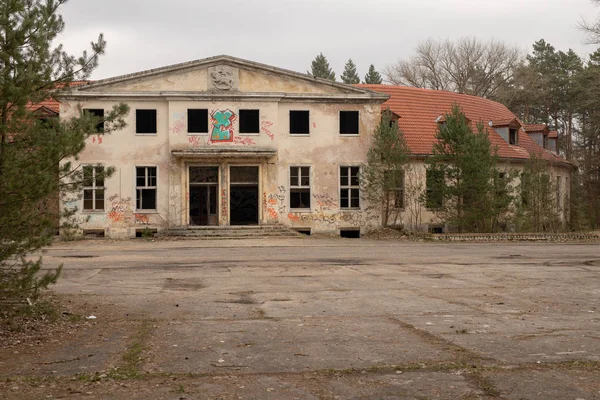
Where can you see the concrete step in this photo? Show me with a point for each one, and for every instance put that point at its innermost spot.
(232, 232)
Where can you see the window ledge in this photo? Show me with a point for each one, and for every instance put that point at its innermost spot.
(354, 209)
(146, 134)
(349, 134)
(299, 134)
(301, 210)
(197, 133)
(92, 212)
(145, 211)
(249, 134)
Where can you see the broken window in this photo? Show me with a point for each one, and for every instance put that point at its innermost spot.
(197, 120)
(349, 187)
(299, 187)
(93, 188)
(99, 113)
(145, 185)
(145, 121)
(249, 121)
(512, 137)
(299, 122)
(434, 191)
(349, 122)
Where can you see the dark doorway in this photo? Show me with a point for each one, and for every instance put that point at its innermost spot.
(204, 183)
(243, 200)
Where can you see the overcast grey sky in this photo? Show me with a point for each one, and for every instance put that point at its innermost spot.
(288, 34)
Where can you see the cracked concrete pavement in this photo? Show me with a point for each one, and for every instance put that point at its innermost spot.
(318, 318)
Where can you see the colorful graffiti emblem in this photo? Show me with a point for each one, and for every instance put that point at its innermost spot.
(222, 125)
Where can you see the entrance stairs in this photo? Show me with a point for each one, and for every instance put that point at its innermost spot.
(233, 232)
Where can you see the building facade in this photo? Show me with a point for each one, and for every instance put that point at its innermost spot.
(224, 141)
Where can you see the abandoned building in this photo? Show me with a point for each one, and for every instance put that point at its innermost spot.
(224, 141)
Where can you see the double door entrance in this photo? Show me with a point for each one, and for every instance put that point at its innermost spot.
(240, 201)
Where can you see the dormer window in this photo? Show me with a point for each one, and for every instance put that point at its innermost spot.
(513, 136)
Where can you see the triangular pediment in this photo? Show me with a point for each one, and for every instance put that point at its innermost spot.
(223, 75)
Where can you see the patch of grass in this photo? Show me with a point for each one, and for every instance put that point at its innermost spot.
(131, 360)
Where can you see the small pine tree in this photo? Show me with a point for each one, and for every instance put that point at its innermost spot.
(350, 76)
(373, 77)
(472, 196)
(382, 177)
(320, 68)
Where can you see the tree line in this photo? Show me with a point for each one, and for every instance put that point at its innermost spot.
(320, 69)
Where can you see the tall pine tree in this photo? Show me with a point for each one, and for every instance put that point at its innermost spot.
(350, 76)
(34, 149)
(373, 77)
(320, 68)
(474, 195)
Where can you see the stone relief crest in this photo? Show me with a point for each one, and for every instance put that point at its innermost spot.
(223, 78)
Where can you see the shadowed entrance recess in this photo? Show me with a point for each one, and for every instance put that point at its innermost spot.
(243, 201)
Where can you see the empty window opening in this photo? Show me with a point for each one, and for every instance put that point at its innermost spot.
(93, 233)
(299, 122)
(395, 186)
(349, 187)
(145, 178)
(98, 113)
(145, 121)
(349, 122)
(299, 187)
(197, 120)
(93, 188)
(249, 121)
(304, 231)
(512, 137)
(350, 233)
(145, 233)
(436, 229)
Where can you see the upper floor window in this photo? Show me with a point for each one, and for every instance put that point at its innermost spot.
(249, 121)
(197, 120)
(299, 122)
(145, 187)
(98, 113)
(349, 122)
(349, 187)
(299, 187)
(93, 188)
(513, 136)
(145, 121)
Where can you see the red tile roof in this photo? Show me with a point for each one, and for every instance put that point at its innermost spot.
(535, 127)
(51, 103)
(553, 134)
(419, 109)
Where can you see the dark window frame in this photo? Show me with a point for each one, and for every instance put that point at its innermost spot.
(197, 120)
(298, 127)
(513, 136)
(94, 186)
(349, 188)
(346, 122)
(145, 127)
(97, 112)
(243, 124)
(147, 186)
(300, 187)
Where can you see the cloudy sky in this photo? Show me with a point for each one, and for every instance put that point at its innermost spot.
(289, 33)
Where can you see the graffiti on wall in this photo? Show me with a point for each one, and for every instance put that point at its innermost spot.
(222, 125)
(120, 209)
(97, 139)
(324, 201)
(224, 204)
(141, 219)
(265, 127)
(195, 141)
(275, 203)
